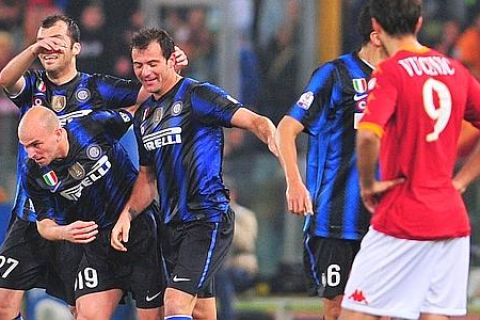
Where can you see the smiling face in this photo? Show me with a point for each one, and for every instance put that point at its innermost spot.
(153, 70)
(58, 62)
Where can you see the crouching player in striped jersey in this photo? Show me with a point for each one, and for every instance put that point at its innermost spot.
(79, 178)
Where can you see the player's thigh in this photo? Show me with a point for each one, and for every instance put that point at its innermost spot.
(447, 293)
(24, 257)
(390, 276)
(101, 267)
(199, 250)
(146, 280)
(327, 264)
(98, 305)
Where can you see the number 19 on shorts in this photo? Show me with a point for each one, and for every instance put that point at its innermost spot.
(86, 278)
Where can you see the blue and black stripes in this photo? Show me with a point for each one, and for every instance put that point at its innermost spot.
(339, 91)
(74, 99)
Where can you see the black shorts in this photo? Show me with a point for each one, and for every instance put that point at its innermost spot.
(327, 264)
(194, 251)
(27, 260)
(103, 268)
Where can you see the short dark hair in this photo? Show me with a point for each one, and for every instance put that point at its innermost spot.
(72, 27)
(364, 24)
(397, 17)
(141, 39)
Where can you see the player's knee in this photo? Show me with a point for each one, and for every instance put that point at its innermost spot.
(9, 310)
(178, 302)
(205, 309)
(332, 308)
(86, 313)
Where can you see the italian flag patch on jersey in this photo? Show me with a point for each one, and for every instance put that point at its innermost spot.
(50, 178)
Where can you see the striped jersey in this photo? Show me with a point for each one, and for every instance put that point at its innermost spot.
(181, 137)
(329, 109)
(75, 98)
(94, 181)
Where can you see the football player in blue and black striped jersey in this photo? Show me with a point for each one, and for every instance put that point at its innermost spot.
(336, 220)
(180, 137)
(70, 94)
(79, 178)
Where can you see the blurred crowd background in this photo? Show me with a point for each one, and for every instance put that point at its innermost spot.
(261, 51)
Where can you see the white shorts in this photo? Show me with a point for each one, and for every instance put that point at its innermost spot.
(404, 278)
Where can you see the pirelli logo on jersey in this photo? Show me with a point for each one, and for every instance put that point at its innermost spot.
(162, 138)
(100, 169)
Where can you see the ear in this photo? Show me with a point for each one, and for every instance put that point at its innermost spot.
(376, 26)
(58, 134)
(419, 24)
(76, 48)
(171, 60)
(375, 39)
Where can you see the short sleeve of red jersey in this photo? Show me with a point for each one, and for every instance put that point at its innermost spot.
(381, 100)
(472, 110)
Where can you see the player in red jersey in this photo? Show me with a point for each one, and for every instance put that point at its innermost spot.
(414, 260)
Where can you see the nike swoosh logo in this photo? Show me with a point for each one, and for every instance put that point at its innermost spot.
(360, 97)
(148, 299)
(177, 279)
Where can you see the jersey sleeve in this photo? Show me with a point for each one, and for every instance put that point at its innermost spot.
(381, 101)
(115, 123)
(213, 106)
(472, 110)
(117, 92)
(311, 109)
(145, 157)
(25, 96)
(43, 200)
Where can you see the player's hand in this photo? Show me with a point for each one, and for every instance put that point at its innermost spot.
(298, 199)
(120, 232)
(80, 231)
(272, 146)
(181, 59)
(460, 187)
(371, 196)
(49, 45)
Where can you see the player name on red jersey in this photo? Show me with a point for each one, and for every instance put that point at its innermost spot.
(431, 66)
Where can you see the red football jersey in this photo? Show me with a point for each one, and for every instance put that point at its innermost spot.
(417, 105)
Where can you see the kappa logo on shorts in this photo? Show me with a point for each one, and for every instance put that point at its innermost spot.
(148, 298)
(358, 296)
(177, 279)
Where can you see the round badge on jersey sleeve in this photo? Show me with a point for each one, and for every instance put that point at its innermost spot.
(177, 107)
(82, 94)
(94, 152)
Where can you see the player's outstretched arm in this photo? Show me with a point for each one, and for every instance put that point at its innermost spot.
(76, 232)
(11, 75)
(259, 125)
(298, 198)
(143, 193)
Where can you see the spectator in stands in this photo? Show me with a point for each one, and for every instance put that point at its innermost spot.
(468, 47)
